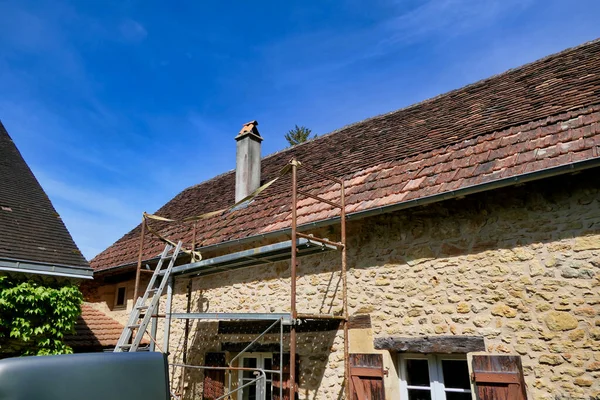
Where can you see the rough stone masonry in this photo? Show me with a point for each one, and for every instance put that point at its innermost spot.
(519, 267)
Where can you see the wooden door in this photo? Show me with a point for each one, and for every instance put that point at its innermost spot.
(366, 377)
(214, 379)
(498, 377)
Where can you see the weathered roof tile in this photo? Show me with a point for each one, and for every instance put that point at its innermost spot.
(476, 134)
(32, 230)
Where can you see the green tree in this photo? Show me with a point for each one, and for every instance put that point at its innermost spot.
(298, 135)
(35, 316)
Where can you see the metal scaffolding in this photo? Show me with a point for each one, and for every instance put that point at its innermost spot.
(299, 245)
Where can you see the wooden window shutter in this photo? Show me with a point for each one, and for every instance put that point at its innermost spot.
(286, 376)
(498, 377)
(214, 380)
(366, 377)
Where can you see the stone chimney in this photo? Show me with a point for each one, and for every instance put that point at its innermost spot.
(247, 166)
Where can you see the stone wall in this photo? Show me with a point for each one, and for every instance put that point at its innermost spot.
(519, 267)
(101, 293)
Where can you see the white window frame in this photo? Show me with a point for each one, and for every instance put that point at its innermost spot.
(261, 385)
(124, 305)
(436, 377)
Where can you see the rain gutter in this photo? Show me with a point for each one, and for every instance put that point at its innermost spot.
(38, 268)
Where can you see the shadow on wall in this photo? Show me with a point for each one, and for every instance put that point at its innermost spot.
(314, 351)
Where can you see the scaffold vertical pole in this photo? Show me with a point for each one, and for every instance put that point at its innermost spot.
(154, 330)
(293, 272)
(345, 291)
(167, 330)
(139, 263)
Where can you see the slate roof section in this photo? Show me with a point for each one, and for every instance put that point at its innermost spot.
(30, 228)
(541, 115)
(94, 330)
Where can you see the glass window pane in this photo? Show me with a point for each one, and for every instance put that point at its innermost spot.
(456, 374)
(269, 393)
(458, 396)
(121, 296)
(268, 365)
(418, 373)
(416, 394)
(249, 362)
(249, 393)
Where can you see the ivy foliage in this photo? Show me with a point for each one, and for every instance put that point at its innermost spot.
(36, 315)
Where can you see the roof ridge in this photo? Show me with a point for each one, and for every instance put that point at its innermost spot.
(409, 107)
(210, 179)
(441, 95)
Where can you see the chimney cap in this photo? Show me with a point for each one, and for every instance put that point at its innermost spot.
(249, 129)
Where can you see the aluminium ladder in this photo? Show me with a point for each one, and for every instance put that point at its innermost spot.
(138, 323)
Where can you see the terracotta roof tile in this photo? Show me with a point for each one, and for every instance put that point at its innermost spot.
(94, 329)
(523, 120)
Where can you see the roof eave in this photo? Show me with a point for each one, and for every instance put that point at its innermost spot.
(483, 187)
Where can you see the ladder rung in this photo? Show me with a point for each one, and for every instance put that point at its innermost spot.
(124, 346)
(134, 326)
(148, 271)
(144, 307)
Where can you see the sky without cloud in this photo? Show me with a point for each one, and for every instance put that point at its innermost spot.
(119, 105)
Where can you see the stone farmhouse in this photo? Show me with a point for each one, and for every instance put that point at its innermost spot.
(472, 244)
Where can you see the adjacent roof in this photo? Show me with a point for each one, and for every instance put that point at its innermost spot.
(539, 116)
(33, 238)
(94, 330)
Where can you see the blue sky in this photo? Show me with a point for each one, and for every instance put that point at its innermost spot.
(119, 105)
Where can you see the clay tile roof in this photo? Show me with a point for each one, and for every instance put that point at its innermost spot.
(538, 116)
(94, 329)
(30, 227)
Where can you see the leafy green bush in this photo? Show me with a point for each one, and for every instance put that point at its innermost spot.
(35, 316)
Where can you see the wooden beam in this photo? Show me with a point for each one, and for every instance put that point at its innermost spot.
(431, 344)
(359, 321)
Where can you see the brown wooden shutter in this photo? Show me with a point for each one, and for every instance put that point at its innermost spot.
(286, 376)
(214, 380)
(366, 377)
(498, 377)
